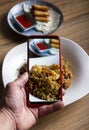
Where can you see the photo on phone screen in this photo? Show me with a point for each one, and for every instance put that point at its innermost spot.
(45, 71)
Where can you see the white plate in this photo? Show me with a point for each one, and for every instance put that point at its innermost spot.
(18, 9)
(72, 52)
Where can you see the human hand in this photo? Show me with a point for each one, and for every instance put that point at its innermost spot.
(15, 104)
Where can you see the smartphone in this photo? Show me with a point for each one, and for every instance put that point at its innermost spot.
(45, 72)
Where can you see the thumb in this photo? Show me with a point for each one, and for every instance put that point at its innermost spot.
(22, 80)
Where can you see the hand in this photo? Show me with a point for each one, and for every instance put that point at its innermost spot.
(15, 103)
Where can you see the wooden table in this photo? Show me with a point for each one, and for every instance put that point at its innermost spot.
(75, 27)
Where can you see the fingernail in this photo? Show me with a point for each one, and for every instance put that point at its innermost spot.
(25, 74)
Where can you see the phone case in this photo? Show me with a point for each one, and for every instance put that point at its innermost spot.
(36, 102)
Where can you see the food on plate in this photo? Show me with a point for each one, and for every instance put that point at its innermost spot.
(56, 41)
(44, 80)
(23, 21)
(54, 45)
(42, 47)
(45, 18)
(42, 18)
(40, 13)
(67, 75)
(40, 7)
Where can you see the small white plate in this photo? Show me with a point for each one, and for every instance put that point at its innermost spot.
(45, 53)
(18, 9)
(71, 51)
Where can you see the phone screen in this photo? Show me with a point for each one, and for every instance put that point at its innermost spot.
(45, 70)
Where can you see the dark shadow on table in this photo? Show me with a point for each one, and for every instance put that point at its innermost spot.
(9, 33)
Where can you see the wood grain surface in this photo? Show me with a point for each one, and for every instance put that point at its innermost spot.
(76, 28)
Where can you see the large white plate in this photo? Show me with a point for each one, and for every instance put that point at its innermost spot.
(72, 52)
(18, 9)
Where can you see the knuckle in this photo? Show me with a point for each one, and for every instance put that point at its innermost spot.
(10, 84)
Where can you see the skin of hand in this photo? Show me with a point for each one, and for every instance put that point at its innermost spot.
(14, 102)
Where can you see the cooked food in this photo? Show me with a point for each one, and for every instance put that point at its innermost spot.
(44, 80)
(48, 15)
(42, 18)
(40, 7)
(54, 45)
(40, 13)
(67, 75)
(56, 41)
